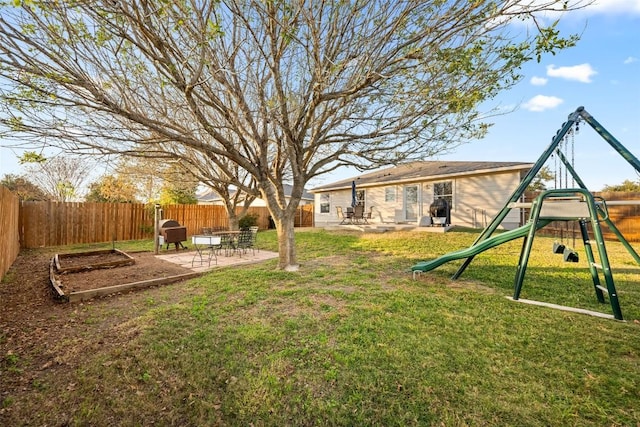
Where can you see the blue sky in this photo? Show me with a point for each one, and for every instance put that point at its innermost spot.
(602, 73)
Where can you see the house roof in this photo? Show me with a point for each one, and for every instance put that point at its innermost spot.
(211, 196)
(420, 171)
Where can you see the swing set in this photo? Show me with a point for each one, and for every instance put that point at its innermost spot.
(559, 204)
(569, 255)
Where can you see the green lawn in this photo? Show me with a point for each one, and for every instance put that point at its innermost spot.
(352, 340)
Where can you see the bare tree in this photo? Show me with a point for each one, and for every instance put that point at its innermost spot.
(284, 90)
(60, 177)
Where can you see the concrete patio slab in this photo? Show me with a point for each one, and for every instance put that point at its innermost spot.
(191, 260)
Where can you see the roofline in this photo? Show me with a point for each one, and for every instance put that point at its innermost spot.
(347, 186)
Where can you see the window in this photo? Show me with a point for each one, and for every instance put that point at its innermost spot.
(325, 203)
(360, 197)
(444, 190)
(390, 194)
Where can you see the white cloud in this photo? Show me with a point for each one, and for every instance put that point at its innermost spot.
(630, 60)
(581, 73)
(614, 7)
(538, 81)
(541, 103)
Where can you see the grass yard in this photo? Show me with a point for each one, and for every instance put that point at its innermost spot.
(349, 340)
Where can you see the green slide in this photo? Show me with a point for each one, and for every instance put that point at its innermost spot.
(474, 250)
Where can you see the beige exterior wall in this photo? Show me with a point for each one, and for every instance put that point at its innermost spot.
(476, 200)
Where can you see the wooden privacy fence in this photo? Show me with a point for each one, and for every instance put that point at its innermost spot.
(44, 224)
(9, 229)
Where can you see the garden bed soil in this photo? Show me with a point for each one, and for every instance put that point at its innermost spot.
(146, 269)
(83, 261)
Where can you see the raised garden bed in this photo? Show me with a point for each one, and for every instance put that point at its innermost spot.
(85, 275)
(83, 261)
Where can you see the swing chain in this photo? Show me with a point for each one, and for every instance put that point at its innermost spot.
(573, 153)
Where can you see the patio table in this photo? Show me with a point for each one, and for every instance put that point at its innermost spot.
(206, 246)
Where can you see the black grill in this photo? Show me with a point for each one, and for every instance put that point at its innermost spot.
(172, 232)
(439, 211)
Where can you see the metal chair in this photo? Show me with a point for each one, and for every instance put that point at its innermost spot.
(367, 215)
(358, 213)
(254, 237)
(344, 218)
(228, 243)
(245, 242)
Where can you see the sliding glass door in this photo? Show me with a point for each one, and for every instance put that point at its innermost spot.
(410, 202)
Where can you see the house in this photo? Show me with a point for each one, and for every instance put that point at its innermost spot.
(210, 197)
(475, 192)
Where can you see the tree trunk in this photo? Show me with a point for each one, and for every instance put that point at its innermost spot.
(286, 242)
(234, 222)
(232, 216)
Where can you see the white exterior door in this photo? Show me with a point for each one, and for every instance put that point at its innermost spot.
(410, 202)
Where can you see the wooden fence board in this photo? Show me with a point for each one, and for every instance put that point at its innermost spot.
(9, 229)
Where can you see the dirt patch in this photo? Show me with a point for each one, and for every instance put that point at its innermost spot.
(146, 267)
(43, 341)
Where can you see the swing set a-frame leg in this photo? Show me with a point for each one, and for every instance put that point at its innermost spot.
(591, 261)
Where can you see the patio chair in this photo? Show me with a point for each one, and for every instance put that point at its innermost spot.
(358, 213)
(367, 215)
(246, 239)
(254, 236)
(344, 219)
(228, 243)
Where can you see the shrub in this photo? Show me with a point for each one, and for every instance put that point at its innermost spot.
(249, 220)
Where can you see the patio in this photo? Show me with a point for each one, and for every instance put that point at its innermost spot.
(185, 258)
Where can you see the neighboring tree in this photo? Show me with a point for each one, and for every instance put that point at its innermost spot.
(178, 195)
(146, 174)
(179, 192)
(543, 176)
(179, 186)
(23, 188)
(60, 177)
(111, 189)
(283, 90)
(626, 186)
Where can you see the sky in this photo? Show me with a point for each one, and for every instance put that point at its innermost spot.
(601, 73)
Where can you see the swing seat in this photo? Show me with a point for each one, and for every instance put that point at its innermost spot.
(570, 255)
(558, 248)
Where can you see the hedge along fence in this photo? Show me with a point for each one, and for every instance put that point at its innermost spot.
(49, 223)
(9, 229)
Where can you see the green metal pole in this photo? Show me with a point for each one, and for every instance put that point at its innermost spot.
(626, 154)
(591, 260)
(526, 247)
(604, 259)
(571, 170)
(619, 235)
